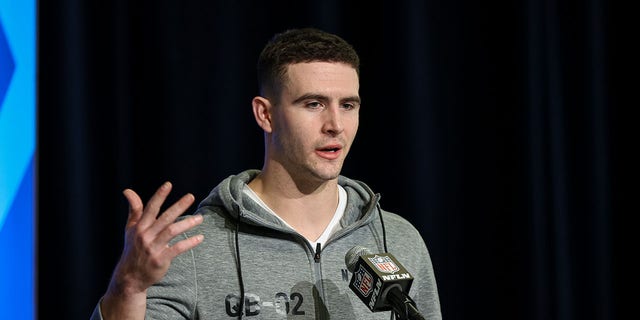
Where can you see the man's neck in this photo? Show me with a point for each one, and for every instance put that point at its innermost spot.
(307, 206)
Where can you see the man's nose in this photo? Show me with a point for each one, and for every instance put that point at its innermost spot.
(333, 121)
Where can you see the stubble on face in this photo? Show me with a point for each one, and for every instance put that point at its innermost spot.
(299, 131)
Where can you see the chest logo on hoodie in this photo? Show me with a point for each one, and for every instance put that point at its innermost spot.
(282, 303)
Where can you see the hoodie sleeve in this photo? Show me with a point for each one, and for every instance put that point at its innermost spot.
(425, 290)
(408, 246)
(175, 296)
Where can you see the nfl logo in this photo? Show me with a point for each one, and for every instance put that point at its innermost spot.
(363, 281)
(384, 264)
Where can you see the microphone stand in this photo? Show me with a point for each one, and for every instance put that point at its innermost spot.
(403, 306)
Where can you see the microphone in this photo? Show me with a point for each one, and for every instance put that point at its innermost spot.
(381, 282)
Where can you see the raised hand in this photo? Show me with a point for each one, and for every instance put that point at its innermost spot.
(147, 254)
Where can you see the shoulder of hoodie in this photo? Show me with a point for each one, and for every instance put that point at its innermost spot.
(212, 216)
(395, 221)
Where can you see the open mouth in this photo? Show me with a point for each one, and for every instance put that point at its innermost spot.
(330, 152)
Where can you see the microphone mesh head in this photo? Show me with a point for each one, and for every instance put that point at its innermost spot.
(351, 258)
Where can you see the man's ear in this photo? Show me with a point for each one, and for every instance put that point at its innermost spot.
(262, 112)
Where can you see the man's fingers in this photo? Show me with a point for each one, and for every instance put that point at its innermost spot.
(135, 206)
(177, 209)
(155, 203)
(172, 230)
(170, 215)
(162, 228)
(184, 245)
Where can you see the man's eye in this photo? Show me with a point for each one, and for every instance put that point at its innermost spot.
(350, 106)
(314, 105)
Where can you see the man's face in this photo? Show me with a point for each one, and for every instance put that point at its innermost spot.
(317, 119)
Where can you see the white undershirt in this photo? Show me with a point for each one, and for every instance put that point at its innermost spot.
(332, 227)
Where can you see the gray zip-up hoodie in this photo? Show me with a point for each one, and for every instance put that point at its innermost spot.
(279, 273)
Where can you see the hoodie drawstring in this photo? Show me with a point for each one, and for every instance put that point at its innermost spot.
(384, 232)
(240, 280)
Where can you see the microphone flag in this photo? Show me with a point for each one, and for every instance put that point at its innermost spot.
(374, 275)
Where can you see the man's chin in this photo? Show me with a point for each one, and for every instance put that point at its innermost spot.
(327, 175)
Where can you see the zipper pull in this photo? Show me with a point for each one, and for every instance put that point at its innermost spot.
(316, 256)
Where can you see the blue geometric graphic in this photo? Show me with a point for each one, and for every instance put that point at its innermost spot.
(6, 65)
(17, 111)
(17, 274)
(17, 163)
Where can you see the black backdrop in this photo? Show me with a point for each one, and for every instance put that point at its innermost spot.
(489, 125)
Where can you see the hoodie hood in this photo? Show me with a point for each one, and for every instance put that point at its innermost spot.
(229, 195)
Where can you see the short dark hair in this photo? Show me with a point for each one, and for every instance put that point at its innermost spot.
(297, 46)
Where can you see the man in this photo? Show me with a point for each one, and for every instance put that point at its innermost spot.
(271, 243)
